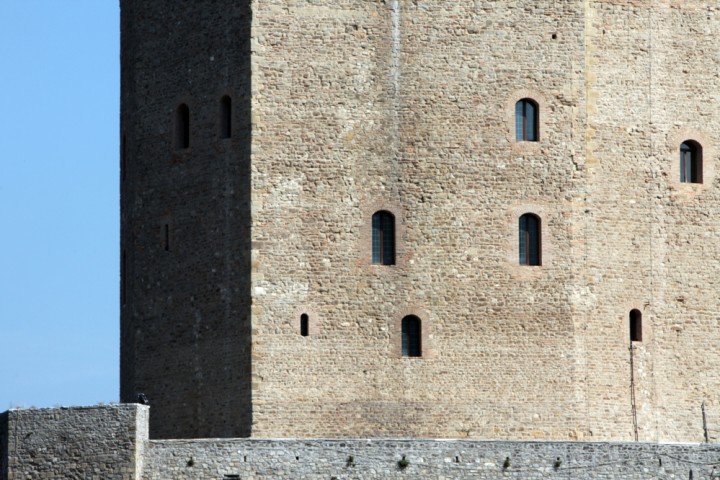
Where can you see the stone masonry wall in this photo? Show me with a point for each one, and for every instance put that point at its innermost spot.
(426, 459)
(185, 221)
(73, 443)
(4, 446)
(408, 107)
(110, 442)
(651, 241)
(345, 108)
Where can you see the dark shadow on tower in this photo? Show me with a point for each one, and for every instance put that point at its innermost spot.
(185, 216)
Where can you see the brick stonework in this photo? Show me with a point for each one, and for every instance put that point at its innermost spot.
(341, 108)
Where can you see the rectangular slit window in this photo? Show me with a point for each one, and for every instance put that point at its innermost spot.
(635, 326)
(123, 286)
(304, 325)
(123, 151)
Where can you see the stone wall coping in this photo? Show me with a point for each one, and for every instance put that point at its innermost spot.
(112, 406)
(185, 441)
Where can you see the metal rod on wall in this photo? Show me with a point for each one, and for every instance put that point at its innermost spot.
(632, 392)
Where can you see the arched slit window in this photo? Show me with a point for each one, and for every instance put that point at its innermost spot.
(411, 337)
(182, 127)
(635, 325)
(304, 325)
(225, 117)
(383, 238)
(529, 236)
(691, 162)
(526, 120)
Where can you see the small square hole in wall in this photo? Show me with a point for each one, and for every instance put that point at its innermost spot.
(554, 36)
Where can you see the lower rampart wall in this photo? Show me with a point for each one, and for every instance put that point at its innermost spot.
(427, 459)
(102, 442)
(110, 442)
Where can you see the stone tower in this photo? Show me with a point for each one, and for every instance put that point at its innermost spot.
(545, 258)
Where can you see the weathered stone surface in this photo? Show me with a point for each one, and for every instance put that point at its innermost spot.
(110, 442)
(426, 459)
(343, 108)
(103, 442)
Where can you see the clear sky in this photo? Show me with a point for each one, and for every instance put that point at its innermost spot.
(59, 202)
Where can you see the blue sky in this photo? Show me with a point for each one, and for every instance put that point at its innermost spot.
(59, 202)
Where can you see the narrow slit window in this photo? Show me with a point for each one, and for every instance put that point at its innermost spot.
(166, 237)
(411, 337)
(304, 325)
(123, 286)
(529, 239)
(526, 120)
(635, 325)
(691, 162)
(383, 238)
(225, 117)
(123, 158)
(182, 127)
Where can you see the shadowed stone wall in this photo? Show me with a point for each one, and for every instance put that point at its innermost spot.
(4, 446)
(185, 215)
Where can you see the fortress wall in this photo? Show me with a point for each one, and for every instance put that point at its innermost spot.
(79, 442)
(185, 234)
(620, 214)
(408, 107)
(111, 442)
(687, 319)
(346, 108)
(651, 240)
(427, 459)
